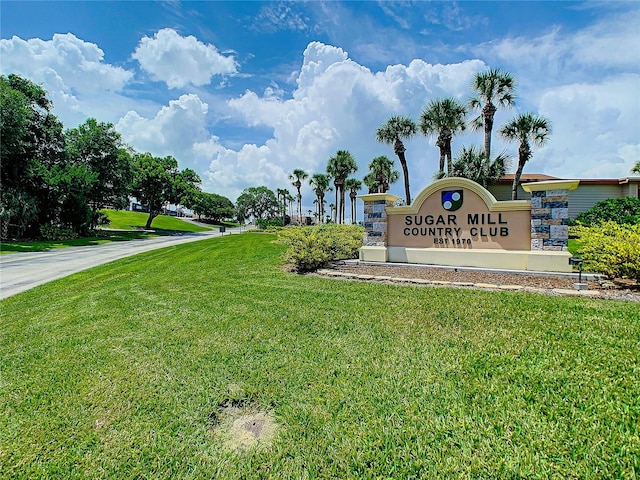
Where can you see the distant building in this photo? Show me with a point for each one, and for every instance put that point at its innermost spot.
(589, 191)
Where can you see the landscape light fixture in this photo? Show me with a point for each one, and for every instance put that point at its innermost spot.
(578, 261)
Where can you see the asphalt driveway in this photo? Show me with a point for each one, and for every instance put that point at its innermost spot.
(23, 271)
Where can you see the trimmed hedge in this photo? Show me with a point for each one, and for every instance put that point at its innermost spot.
(624, 210)
(311, 248)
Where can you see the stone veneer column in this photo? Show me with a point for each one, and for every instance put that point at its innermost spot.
(375, 225)
(550, 214)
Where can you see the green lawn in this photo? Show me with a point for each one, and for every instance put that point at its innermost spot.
(126, 220)
(129, 222)
(121, 372)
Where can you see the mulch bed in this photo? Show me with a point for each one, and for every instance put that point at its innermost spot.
(465, 278)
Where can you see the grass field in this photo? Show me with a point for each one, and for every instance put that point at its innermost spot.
(129, 222)
(123, 371)
(126, 220)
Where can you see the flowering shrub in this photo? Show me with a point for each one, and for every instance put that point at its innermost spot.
(611, 249)
(311, 248)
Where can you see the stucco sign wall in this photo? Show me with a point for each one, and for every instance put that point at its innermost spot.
(458, 213)
(457, 222)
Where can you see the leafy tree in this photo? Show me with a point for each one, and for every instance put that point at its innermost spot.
(340, 166)
(259, 202)
(353, 185)
(526, 129)
(493, 88)
(320, 184)
(471, 163)
(636, 168)
(31, 142)
(100, 149)
(393, 132)
(446, 117)
(158, 181)
(623, 210)
(212, 206)
(296, 177)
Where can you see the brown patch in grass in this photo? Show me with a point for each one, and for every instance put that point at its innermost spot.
(241, 425)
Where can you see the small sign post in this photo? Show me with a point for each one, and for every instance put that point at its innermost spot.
(222, 230)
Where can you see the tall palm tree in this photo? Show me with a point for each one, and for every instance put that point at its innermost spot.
(332, 211)
(340, 166)
(397, 129)
(636, 168)
(282, 199)
(353, 185)
(526, 129)
(320, 184)
(493, 89)
(446, 117)
(381, 174)
(296, 178)
(289, 198)
(473, 164)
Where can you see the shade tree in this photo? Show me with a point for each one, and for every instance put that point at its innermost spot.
(158, 181)
(258, 202)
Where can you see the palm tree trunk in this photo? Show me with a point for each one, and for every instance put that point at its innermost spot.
(405, 172)
(337, 202)
(353, 207)
(488, 113)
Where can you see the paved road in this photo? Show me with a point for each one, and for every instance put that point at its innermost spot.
(22, 271)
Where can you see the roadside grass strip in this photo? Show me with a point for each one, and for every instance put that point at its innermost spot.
(209, 360)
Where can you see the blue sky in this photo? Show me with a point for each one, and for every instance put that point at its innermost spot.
(244, 92)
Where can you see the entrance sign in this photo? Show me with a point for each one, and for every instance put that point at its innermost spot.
(457, 222)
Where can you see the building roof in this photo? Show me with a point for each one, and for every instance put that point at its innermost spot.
(541, 177)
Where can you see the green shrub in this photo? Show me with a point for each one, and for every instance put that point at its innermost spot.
(624, 210)
(53, 232)
(611, 249)
(311, 248)
(265, 223)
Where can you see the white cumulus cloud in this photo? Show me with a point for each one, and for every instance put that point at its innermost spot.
(179, 61)
(71, 70)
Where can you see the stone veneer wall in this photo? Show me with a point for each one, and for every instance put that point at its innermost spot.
(375, 218)
(550, 214)
(549, 217)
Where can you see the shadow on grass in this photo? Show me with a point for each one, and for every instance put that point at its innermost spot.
(97, 239)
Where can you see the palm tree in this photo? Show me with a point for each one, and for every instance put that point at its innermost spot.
(353, 185)
(526, 129)
(296, 178)
(340, 166)
(332, 211)
(381, 174)
(491, 88)
(446, 117)
(281, 195)
(472, 163)
(636, 168)
(320, 184)
(397, 129)
(290, 198)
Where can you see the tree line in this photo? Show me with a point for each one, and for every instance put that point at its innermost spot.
(55, 181)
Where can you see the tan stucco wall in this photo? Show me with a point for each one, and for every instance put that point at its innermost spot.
(427, 224)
